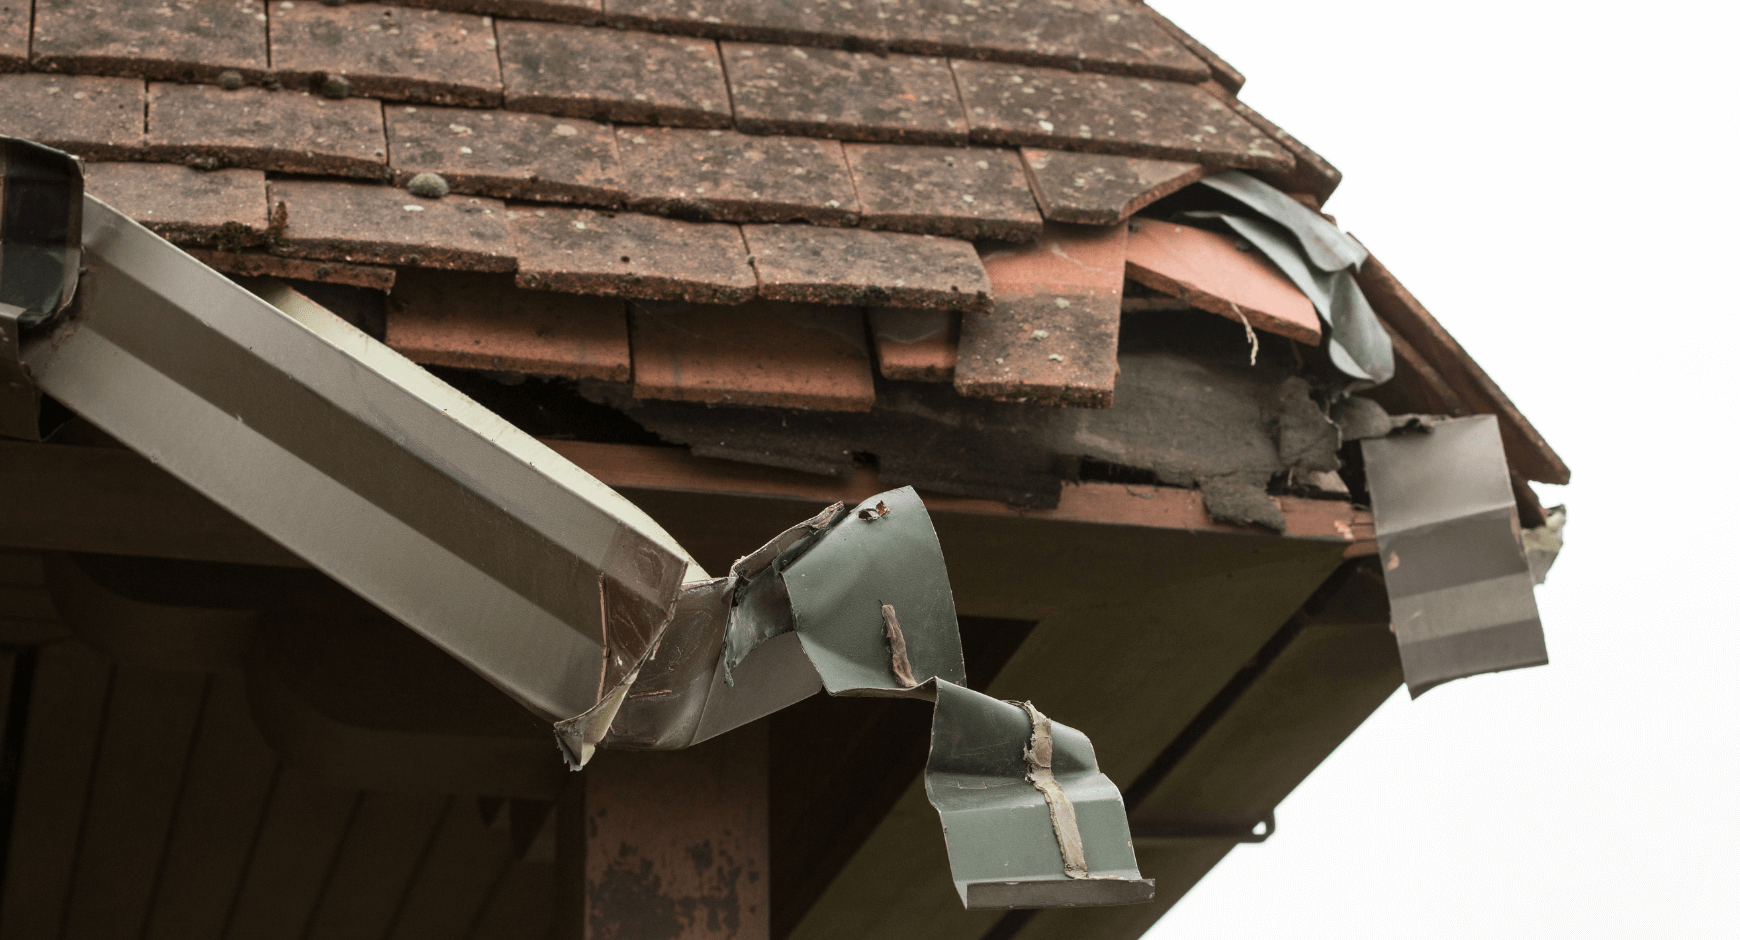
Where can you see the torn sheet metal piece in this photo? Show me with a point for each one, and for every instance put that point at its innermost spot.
(1318, 258)
(1461, 593)
(859, 603)
(1543, 543)
(413, 496)
(1005, 850)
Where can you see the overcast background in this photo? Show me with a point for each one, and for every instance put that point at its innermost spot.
(1555, 182)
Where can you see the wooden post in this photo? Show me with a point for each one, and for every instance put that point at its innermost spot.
(669, 845)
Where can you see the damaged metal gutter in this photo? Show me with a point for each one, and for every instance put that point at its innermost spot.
(526, 569)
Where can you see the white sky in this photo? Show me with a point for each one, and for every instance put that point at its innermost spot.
(1554, 181)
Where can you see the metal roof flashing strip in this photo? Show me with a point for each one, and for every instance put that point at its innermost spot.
(492, 547)
(1459, 581)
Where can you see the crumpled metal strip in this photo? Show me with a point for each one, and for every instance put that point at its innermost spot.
(859, 603)
(1319, 259)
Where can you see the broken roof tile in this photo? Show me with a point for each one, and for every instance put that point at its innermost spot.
(807, 264)
(1209, 270)
(915, 345)
(737, 177)
(964, 192)
(760, 353)
(261, 264)
(184, 205)
(14, 35)
(481, 321)
(1016, 104)
(1099, 188)
(184, 42)
(831, 23)
(1053, 337)
(288, 131)
(613, 74)
(389, 52)
(848, 95)
(358, 223)
(632, 255)
(1097, 35)
(507, 154)
(93, 117)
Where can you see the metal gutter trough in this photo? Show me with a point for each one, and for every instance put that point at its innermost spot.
(514, 561)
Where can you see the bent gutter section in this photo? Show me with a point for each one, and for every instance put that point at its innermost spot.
(548, 583)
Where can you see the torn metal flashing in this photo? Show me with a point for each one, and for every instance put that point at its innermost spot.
(1460, 585)
(1318, 258)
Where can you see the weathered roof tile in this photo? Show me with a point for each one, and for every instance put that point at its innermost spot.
(366, 224)
(1210, 272)
(810, 23)
(760, 353)
(185, 205)
(184, 42)
(1098, 188)
(807, 264)
(14, 35)
(508, 154)
(481, 321)
(1309, 173)
(737, 177)
(289, 131)
(1053, 337)
(93, 117)
(1015, 104)
(1098, 35)
(848, 95)
(632, 255)
(389, 52)
(964, 192)
(915, 345)
(261, 264)
(613, 74)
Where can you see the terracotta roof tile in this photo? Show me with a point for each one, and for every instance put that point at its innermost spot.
(480, 321)
(1310, 173)
(186, 42)
(507, 154)
(809, 23)
(1013, 104)
(389, 52)
(737, 177)
(1053, 337)
(290, 131)
(185, 205)
(260, 264)
(632, 255)
(964, 192)
(14, 35)
(849, 95)
(1101, 189)
(915, 345)
(1210, 272)
(579, 71)
(1099, 35)
(95, 118)
(382, 225)
(1219, 69)
(807, 264)
(760, 353)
